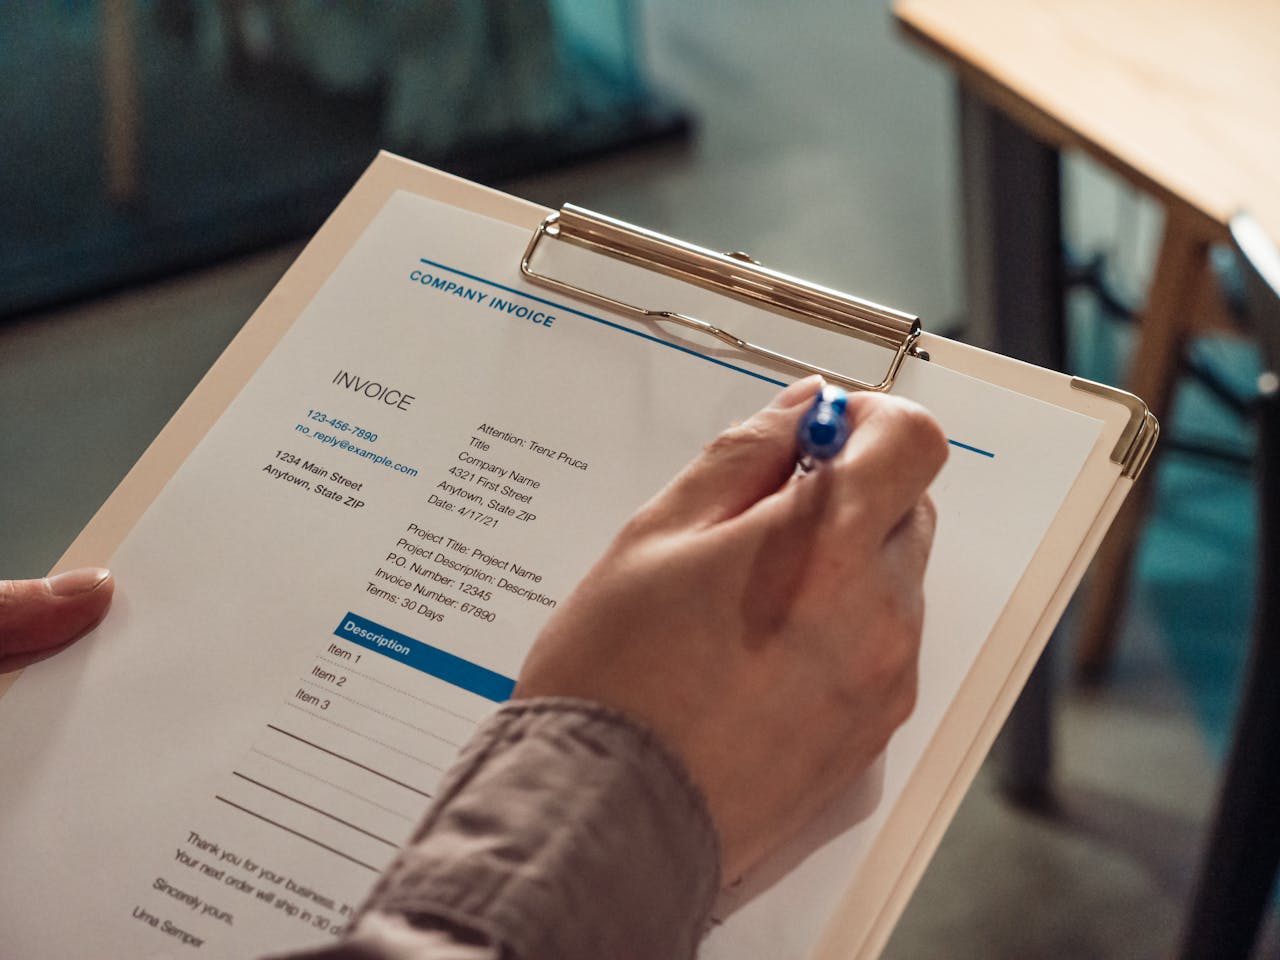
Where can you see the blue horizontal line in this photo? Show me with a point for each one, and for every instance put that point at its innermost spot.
(965, 446)
(637, 333)
(607, 323)
(428, 659)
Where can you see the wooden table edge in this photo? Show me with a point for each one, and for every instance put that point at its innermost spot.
(1053, 131)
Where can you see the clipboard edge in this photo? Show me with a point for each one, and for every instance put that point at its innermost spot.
(1138, 440)
(868, 941)
(910, 836)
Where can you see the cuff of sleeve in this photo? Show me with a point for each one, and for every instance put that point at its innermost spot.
(564, 830)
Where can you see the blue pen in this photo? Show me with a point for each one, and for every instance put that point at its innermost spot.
(824, 429)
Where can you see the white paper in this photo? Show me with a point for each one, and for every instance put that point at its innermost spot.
(221, 770)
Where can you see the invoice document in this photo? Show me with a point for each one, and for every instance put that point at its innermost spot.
(341, 582)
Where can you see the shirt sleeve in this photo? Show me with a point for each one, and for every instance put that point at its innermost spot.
(564, 831)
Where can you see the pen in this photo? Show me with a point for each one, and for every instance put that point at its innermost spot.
(823, 428)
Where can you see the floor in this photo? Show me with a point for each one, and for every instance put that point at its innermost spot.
(825, 149)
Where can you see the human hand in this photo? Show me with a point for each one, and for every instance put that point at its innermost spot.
(40, 617)
(765, 628)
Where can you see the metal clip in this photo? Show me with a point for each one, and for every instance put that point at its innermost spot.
(733, 274)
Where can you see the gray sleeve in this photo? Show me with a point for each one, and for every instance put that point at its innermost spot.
(563, 832)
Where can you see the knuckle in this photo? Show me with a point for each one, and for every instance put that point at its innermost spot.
(928, 512)
(647, 518)
(898, 645)
(638, 525)
(909, 623)
(11, 598)
(14, 610)
(847, 692)
(904, 703)
(740, 436)
(921, 526)
(893, 657)
(853, 526)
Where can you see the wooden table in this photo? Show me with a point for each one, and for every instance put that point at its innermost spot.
(1178, 97)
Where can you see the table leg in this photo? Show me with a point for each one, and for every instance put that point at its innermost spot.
(1013, 247)
(1178, 286)
(1013, 235)
(1239, 867)
(120, 93)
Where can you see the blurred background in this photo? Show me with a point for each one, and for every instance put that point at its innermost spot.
(164, 160)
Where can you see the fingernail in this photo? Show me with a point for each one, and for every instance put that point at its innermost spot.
(74, 582)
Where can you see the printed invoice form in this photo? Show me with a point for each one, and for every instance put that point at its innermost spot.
(345, 575)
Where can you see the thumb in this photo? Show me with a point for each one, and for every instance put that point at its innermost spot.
(745, 463)
(39, 616)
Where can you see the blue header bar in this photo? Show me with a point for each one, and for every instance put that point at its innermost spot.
(426, 658)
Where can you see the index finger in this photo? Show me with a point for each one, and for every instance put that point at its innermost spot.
(894, 452)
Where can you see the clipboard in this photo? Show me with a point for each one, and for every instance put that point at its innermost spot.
(879, 890)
